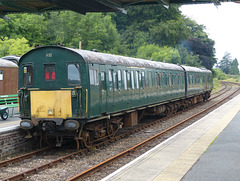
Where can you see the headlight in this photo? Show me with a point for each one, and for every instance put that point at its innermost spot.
(71, 125)
(50, 112)
(26, 124)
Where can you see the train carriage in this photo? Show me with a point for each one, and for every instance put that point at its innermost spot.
(8, 77)
(198, 81)
(85, 95)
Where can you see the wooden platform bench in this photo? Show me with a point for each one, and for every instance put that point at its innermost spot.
(9, 101)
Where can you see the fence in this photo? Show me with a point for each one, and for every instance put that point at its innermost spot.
(10, 101)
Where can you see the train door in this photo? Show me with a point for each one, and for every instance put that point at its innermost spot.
(94, 89)
(206, 81)
(142, 82)
(137, 89)
(127, 92)
(110, 91)
(119, 95)
(102, 88)
(126, 87)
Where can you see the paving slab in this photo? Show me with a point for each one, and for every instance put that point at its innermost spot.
(221, 162)
(173, 158)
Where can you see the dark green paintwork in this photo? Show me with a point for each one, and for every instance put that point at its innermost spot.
(102, 100)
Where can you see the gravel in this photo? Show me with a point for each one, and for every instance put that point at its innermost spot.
(80, 163)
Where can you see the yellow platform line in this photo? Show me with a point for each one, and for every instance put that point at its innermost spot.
(177, 169)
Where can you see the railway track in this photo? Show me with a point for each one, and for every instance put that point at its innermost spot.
(226, 86)
(101, 165)
(87, 172)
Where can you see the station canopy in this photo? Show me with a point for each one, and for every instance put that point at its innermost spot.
(84, 6)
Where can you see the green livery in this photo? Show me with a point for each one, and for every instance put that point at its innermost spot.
(103, 89)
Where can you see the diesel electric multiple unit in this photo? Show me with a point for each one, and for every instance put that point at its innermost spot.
(67, 93)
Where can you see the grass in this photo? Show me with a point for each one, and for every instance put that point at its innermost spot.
(216, 84)
(210, 144)
(230, 78)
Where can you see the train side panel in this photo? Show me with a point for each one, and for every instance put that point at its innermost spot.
(88, 96)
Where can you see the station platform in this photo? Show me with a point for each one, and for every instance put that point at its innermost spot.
(209, 149)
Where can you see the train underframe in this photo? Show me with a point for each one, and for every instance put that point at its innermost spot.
(105, 127)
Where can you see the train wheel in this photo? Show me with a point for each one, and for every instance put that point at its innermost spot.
(86, 141)
(168, 111)
(111, 132)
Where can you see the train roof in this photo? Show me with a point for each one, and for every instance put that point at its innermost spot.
(104, 58)
(7, 63)
(196, 69)
(12, 58)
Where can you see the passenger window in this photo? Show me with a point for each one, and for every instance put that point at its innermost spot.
(103, 82)
(128, 80)
(160, 79)
(150, 78)
(170, 80)
(28, 75)
(156, 79)
(93, 77)
(115, 81)
(132, 80)
(143, 80)
(125, 79)
(140, 79)
(119, 80)
(73, 74)
(189, 80)
(110, 80)
(137, 79)
(166, 79)
(1, 74)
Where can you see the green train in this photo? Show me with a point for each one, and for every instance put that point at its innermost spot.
(87, 96)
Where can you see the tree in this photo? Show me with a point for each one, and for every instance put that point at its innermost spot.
(162, 54)
(204, 51)
(30, 26)
(140, 26)
(146, 51)
(94, 30)
(118, 33)
(169, 33)
(187, 58)
(14, 46)
(225, 63)
(234, 67)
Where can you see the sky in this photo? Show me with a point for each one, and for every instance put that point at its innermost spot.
(222, 25)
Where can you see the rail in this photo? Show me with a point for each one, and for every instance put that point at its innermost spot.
(97, 167)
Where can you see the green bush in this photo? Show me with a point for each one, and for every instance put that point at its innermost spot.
(219, 74)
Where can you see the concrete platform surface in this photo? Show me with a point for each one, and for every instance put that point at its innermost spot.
(12, 122)
(221, 162)
(172, 159)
